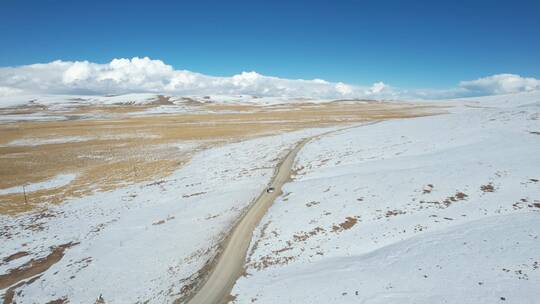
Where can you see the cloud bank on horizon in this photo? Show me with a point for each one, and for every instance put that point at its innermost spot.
(145, 75)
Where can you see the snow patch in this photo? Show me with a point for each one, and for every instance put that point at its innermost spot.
(55, 182)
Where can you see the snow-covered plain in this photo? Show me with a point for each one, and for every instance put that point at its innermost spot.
(440, 209)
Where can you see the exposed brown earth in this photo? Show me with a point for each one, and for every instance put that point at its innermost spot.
(390, 213)
(10, 292)
(487, 188)
(34, 267)
(349, 222)
(15, 256)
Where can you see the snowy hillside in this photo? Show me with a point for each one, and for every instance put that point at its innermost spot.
(440, 209)
(59, 101)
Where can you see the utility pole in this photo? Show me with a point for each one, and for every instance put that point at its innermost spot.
(24, 192)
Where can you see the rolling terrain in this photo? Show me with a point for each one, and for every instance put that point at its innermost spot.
(80, 229)
(373, 202)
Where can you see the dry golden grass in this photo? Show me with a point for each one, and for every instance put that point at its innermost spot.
(128, 148)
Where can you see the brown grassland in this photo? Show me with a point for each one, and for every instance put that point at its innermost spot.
(126, 146)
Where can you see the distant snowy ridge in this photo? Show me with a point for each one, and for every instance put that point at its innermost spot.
(63, 101)
(144, 99)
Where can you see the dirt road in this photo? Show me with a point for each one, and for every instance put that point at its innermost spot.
(230, 265)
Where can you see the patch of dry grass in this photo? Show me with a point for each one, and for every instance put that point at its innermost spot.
(107, 153)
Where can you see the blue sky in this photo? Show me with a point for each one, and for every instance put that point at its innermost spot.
(412, 44)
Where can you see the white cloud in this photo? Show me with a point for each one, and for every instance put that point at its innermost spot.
(501, 84)
(78, 71)
(144, 75)
(7, 91)
(343, 89)
(378, 87)
(138, 75)
(317, 80)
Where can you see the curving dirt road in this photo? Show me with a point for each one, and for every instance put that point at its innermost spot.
(230, 265)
